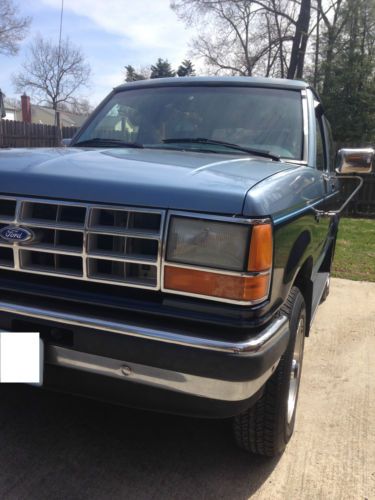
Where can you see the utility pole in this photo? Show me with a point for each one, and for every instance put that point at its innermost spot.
(57, 112)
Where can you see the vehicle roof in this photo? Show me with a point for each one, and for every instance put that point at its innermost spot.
(280, 83)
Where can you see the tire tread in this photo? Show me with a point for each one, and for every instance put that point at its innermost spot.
(258, 429)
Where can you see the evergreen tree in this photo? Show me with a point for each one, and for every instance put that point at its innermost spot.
(162, 69)
(132, 75)
(349, 99)
(186, 68)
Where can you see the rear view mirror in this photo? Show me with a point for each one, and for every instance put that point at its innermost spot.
(355, 161)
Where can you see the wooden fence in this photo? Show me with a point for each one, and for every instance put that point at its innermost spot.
(363, 204)
(31, 135)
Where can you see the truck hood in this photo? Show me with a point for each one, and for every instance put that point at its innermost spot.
(181, 180)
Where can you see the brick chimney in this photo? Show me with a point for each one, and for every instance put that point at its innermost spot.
(26, 108)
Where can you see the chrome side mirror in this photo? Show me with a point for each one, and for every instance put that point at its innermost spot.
(356, 161)
(66, 142)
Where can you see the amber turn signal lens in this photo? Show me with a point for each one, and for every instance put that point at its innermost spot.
(241, 288)
(260, 255)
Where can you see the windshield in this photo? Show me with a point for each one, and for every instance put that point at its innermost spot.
(261, 119)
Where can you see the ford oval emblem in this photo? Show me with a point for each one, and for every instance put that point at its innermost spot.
(13, 234)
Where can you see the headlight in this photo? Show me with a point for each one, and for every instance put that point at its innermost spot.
(219, 260)
(207, 243)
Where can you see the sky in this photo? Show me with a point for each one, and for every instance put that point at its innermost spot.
(111, 34)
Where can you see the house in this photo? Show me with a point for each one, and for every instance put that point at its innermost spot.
(10, 111)
(34, 113)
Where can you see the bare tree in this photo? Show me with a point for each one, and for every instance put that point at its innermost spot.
(77, 107)
(13, 27)
(298, 13)
(53, 74)
(236, 36)
(250, 36)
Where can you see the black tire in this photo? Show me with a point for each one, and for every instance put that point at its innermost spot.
(266, 428)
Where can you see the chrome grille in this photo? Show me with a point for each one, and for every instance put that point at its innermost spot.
(108, 244)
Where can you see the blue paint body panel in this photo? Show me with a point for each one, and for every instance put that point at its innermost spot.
(202, 182)
(285, 192)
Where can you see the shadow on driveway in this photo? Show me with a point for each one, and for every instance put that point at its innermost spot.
(58, 446)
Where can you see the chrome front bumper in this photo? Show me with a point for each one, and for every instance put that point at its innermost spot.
(253, 344)
(215, 388)
(223, 390)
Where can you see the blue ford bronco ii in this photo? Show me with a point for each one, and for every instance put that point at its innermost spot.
(173, 254)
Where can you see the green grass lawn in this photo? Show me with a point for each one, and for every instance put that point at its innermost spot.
(355, 250)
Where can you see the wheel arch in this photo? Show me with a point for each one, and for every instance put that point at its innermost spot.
(304, 283)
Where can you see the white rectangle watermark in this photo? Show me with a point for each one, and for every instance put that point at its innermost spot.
(21, 357)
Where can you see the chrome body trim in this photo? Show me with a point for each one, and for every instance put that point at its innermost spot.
(301, 163)
(236, 220)
(216, 299)
(306, 208)
(223, 390)
(305, 114)
(215, 270)
(220, 218)
(253, 344)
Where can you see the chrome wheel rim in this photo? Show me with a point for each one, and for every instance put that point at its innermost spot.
(295, 371)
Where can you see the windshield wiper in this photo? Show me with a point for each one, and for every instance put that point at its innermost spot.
(203, 140)
(117, 143)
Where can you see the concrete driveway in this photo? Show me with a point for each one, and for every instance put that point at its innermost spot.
(60, 447)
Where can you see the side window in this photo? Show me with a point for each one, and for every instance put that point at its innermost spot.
(320, 153)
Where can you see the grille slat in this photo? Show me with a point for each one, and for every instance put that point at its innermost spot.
(7, 209)
(123, 248)
(126, 232)
(113, 245)
(132, 260)
(51, 262)
(6, 257)
(60, 215)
